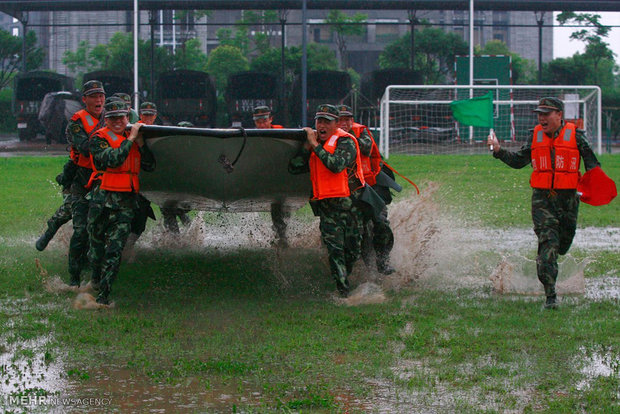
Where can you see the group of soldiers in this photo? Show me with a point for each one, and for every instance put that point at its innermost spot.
(344, 162)
(101, 185)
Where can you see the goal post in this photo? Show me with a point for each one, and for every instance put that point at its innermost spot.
(418, 119)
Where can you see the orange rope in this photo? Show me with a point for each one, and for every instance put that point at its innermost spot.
(399, 174)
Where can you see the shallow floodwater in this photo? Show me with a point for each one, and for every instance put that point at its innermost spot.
(429, 251)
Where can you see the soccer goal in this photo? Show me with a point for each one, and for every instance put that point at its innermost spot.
(418, 119)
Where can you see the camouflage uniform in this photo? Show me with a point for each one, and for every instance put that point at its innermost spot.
(63, 213)
(554, 212)
(111, 214)
(377, 231)
(78, 246)
(340, 217)
(170, 215)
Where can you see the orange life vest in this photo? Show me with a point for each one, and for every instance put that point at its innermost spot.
(327, 184)
(563, 173)
(88, 123)
(371, 165)
(125, 177)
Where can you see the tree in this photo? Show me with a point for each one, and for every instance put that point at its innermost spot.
(11, 55)
(190, 56)
(597, 51)
(434, 54)
(320, 57)
(523, 70)
(344, 25)
(224, 61)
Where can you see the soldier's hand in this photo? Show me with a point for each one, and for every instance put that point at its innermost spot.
(311, 137)
(134, 134)
(492, 142)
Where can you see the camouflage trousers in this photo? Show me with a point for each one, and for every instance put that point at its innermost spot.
(555, 222)
(341, 232)
(377, 235)
(61, 216)
(78, 245)
(108, 229)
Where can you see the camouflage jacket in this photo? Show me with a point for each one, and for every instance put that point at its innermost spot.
(105, 157)
(365, 142)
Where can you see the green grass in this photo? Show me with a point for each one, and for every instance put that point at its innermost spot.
(222, 319)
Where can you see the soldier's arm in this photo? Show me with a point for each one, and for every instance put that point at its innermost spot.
(365, 142)
(587, 155)
(299, 163)
(105, 156)
(343, 156)
(77, 137)
(517, 159)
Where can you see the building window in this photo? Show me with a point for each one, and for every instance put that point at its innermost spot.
(386, 33)
(15, 31)
(15, 20)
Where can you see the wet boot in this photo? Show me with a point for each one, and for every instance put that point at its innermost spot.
(75, 280)
(552, 300)
(383, 265)
(104, 294)
(95, 280)
(44, 240)
(343, 288)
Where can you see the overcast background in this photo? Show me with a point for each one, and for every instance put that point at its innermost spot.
(563, 46)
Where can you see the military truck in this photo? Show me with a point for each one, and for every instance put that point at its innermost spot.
(113, 81)
(247, 90)
(324, 86)
(186, 95)
(29, 89)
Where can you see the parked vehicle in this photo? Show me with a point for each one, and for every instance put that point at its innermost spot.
(247, 90)
(57, 108)
(113, 81)
(324, 86)
(186, 95)
(29, 89)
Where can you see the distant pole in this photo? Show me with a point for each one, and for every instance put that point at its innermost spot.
(412, 21)
(540, 19)
(283, 14)
(136, 28)
(24, 21)
(304, 63)
(152, 21)
(471, 61)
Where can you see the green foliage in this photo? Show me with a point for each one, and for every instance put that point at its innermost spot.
(247, 40)
(523, 70)
(343, 26)
(190, 56)
(435, 50)
(11, 55)
(224, 61)
(320, 57)
(8, 123)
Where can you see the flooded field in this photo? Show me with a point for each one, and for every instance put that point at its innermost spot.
(430, 252)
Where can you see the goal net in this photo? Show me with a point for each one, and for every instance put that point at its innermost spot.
(418, 119)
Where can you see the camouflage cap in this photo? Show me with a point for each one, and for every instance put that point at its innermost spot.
(114, 99)
(549, 104)
(326, 111)
(185, 124)
(115, 108)
(344, 110)
(125, 97)
(91, 87)
(148, 108)
(261, 112)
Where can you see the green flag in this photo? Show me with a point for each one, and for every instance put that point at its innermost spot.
(475, 111)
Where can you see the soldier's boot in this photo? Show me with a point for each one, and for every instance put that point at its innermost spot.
(44, 240)
(552, 300)
(104, 294)
(185, 220)
(95, 279)
(75, 280)
(343, 287)
(367, 249)
(383, 264)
